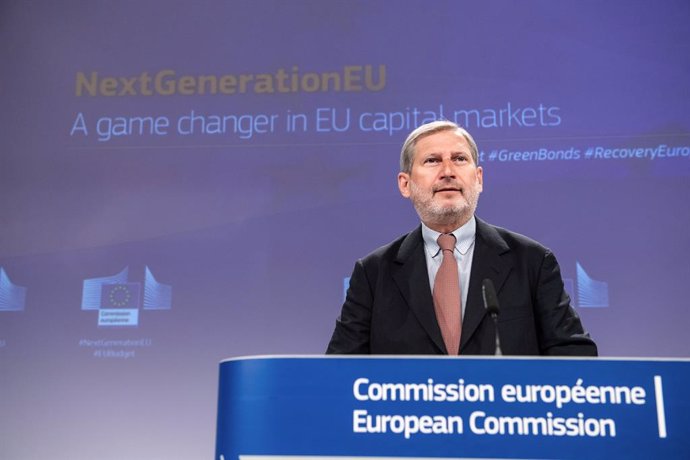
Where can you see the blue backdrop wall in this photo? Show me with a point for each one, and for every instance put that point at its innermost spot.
(182, 182)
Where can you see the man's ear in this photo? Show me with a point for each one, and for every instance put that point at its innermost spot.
(480, 178)
(404, 184)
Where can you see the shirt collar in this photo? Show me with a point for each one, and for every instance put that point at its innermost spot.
(464, 237)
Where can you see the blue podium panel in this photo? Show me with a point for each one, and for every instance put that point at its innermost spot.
(455, 407)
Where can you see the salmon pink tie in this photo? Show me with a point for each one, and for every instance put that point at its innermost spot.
(447, 295)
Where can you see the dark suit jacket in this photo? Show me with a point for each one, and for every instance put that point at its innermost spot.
(389, 308)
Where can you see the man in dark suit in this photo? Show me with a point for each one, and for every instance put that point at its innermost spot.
(391, 305)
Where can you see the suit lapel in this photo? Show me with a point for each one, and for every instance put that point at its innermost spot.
(487, 262)
(412, 278)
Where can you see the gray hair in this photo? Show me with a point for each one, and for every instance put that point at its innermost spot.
(408, 148)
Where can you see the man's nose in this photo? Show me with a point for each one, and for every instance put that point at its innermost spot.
(447, 169)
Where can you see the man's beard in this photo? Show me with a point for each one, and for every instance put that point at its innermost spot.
(433, 212)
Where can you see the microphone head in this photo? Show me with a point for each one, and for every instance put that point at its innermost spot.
(490, 298)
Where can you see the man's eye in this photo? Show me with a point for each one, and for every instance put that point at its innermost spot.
(431, 160)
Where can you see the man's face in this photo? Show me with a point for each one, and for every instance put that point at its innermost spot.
(444, 183)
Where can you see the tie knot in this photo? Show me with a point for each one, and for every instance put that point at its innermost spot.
(446, 241)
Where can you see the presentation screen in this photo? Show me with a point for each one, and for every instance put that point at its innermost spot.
(183, 182)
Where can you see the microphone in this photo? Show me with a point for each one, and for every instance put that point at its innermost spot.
(491, 305)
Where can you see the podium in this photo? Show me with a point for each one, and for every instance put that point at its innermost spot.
(452, 407)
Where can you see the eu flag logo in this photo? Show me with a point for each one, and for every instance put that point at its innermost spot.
(120, 295)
